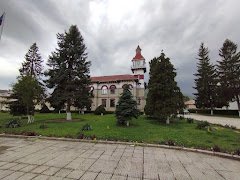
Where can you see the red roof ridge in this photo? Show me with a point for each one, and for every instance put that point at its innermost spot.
(113, 78)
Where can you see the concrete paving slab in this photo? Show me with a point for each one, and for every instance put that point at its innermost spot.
(78, 160)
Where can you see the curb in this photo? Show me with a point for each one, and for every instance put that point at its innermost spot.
(212, 153)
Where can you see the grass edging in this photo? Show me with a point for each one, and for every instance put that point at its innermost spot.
(219, 154)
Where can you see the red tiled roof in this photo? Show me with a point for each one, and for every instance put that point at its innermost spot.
(138, 55)
(124, 77)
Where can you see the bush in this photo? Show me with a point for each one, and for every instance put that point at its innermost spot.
(86, 127)
(202, 125)
(45, 109)
(190, 120)
(100, 110)
(29, 133)
(237, 152)
(215, 111)
(14, 123)
(80, 136)
(216, 148)
(169, 142)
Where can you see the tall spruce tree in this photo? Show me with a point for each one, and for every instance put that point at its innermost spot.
(205, 82)
(229, 72)
(164, 97)
(32, 66)
(126, 108)
(68, 74)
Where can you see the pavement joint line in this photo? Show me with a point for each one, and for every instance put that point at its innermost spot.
(184, 167)
(118, 161)
(219, 154)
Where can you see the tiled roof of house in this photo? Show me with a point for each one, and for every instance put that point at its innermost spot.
(123, 77)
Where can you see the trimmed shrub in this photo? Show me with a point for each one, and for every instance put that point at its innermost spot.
(86, 127)
(14, 123)
(202, 125)
(100, 110)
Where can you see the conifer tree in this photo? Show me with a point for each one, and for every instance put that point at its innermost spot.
(229, 72)
(32, 66)
(68, 72)
(126, 108)
(205, 82)
(164, 97)
(28, 90)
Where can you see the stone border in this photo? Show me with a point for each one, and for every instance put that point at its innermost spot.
(219, 154)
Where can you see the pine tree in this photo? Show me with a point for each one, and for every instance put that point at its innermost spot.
(33, 63)
(126, 108)
(229, 72)
(69, 72)
(164, 97)
(205, 82)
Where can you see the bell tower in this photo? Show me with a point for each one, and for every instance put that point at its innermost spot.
(139, 66)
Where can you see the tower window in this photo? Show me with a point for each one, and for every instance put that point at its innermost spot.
(104, 89)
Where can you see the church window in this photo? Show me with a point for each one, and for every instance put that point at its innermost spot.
(104, 102)
(112, 89)
(112, 102)
(104, 89)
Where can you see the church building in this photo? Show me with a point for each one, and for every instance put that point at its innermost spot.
(107, 89)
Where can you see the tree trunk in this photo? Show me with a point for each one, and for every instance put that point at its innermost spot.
(69, 115)
(238, 103)
(29, 118)
(167, 121)
(211, 111)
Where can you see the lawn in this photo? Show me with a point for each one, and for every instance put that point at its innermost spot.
(140, 130)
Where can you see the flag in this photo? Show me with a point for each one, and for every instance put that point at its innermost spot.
(1, 19)
(1, 24)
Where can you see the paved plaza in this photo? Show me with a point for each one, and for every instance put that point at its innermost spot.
(216, 120)
(25, 159)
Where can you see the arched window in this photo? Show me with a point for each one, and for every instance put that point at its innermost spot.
(112, 89)
(104, 89)
(125, 85)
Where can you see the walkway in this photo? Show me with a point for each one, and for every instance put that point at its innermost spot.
(216, 120)
(25, 159)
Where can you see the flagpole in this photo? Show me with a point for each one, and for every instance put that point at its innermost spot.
(2, 25)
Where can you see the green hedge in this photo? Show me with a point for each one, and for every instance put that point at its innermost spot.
(215, 111)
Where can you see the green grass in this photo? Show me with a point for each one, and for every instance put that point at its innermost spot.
(140, 130)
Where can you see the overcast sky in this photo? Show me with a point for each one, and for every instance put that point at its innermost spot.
(113, 29)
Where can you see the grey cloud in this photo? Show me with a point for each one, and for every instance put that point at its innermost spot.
(177, 27)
